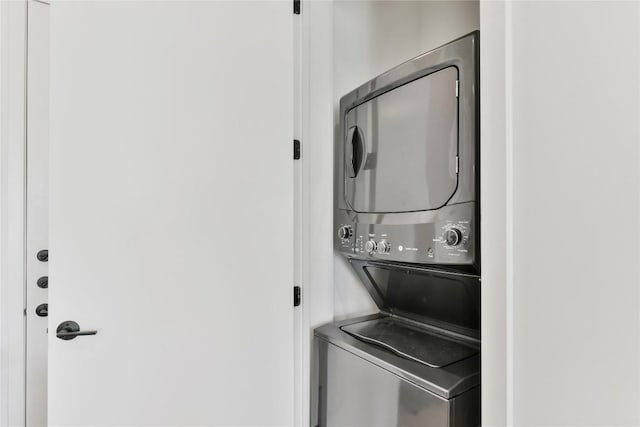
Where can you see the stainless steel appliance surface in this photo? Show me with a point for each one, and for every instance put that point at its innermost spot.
(415, 363)
(361, 384)
(407, 162)
(407, 221)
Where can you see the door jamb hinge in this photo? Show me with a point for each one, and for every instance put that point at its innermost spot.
(296, 7)
(296, 149)
(296, 296)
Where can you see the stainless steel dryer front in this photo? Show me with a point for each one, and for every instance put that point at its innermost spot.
(407, 162)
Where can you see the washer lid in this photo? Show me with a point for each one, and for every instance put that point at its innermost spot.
(411, 341)
(446, 382)
(444, 299)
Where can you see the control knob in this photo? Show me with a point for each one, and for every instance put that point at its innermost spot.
(370, 246)
(453, 237)
(384, 247)
(344, 232)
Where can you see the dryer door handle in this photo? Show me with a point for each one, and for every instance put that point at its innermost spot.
(355, 150)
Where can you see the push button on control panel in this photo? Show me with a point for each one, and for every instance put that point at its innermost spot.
(383, 247)
(371, 246)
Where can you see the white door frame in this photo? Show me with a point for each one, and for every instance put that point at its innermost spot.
(496, 212)
(36, 212)
(314, 193)
(13, 16)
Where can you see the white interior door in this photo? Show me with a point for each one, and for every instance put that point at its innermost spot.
(171, 213)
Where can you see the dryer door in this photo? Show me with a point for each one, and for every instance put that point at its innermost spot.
(401, 147)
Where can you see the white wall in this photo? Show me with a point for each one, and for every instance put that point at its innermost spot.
(561, 315)
(370, 37)
(576, 211)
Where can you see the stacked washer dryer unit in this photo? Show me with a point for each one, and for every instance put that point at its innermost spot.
(407, 220)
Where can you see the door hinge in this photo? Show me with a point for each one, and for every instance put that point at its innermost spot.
(296, 149)
(296, 7)
(296, 296)
(457, 88)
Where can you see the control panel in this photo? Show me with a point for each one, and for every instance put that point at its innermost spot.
(443, 240)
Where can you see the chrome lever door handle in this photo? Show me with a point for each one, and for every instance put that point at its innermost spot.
(72, 335)
(69, 329)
